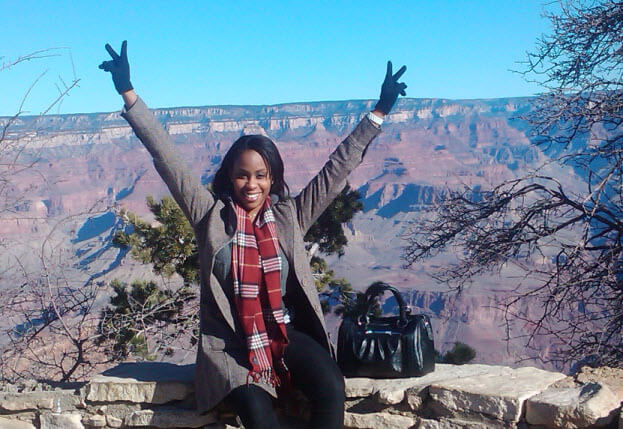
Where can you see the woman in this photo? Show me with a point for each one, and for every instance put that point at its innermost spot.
(261, 322)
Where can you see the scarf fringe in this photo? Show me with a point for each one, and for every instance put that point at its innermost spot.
(266, 375)
(278, 377)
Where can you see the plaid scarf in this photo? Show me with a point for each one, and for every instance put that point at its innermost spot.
(256, 271)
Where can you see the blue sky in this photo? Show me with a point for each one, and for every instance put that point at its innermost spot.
(189, 53)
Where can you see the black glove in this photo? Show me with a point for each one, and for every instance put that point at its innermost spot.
(119, 68)
(390, 89)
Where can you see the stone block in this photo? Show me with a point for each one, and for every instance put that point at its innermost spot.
(393, 391)
(114, 422)
(378, 420)
(221, 426)
(606, 376)
(112, 389)
(26, 401)
(95, 421)
(169, 418)
(142, 382)
(359, 387)
(14, 424)
(416, 398)
(61, 421)
(115, 413)
(592, 404)
(48, 400)
(500, 396)
(451, 424)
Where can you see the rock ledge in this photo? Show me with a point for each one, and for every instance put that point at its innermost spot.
(160, 395)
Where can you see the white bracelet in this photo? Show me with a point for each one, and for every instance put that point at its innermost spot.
(377, 120)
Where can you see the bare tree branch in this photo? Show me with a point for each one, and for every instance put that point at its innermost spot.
(567, 241)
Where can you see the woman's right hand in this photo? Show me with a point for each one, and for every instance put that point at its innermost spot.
(119, 68)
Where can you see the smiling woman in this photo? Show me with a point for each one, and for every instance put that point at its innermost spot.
(262, 326)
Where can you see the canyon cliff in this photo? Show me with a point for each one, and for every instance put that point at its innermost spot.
(87, 165)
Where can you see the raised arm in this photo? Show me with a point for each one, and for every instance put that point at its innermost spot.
(192, 197)
(327, 184)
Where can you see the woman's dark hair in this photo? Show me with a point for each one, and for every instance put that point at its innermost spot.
(221, 184)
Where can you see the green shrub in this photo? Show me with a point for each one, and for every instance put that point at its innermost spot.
(460, 354)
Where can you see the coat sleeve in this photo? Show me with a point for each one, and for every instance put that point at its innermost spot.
(190, 195)
(329, 182)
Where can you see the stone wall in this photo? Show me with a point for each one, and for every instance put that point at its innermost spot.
(158, 395)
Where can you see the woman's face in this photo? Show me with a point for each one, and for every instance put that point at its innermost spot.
(251, 181)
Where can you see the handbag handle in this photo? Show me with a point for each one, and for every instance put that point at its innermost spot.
(377, 289)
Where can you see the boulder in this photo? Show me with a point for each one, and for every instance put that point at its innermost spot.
(591, 404)
(498, 395)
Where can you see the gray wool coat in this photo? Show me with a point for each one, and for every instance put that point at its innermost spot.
(222, 357)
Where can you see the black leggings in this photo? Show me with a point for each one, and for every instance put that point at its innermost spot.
(313, 371)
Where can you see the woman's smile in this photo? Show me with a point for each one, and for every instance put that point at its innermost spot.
(251, 181)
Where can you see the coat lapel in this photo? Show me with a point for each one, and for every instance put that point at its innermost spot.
(228, 218)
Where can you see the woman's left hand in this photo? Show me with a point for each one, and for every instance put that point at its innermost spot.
(390, 89)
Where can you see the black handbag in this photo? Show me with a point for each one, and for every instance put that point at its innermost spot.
(385, 347)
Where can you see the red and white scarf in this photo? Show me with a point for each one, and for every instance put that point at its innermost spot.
(256, 269)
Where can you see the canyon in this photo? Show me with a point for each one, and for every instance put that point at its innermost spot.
(83, 168)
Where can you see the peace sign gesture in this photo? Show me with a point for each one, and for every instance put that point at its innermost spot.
(390, 89)
(118, 67)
